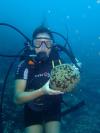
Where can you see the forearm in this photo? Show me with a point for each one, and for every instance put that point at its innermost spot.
(28, 96)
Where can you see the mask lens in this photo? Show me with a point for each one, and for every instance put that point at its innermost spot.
(38, 42)
(48, 43)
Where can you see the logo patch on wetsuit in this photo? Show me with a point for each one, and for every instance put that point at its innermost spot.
(45, 74)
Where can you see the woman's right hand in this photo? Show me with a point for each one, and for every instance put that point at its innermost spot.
(46, 90)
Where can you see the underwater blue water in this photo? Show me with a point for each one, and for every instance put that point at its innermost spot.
(81, 20)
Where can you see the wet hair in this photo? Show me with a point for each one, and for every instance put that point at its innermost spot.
(42, 29)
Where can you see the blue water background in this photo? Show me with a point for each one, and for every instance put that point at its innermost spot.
(79, 19)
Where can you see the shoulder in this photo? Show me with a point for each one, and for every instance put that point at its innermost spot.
(22, 70)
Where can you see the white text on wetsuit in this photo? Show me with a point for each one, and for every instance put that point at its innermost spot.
(45, 74)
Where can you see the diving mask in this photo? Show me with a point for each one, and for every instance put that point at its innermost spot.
(40, 40)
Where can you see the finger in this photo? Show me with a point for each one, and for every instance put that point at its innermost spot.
(48, 82)
(56, 92)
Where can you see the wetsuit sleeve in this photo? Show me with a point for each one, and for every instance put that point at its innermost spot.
(22, 71)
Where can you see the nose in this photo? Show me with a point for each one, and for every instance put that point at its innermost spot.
(43, 46)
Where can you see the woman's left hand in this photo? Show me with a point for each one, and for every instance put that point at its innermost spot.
(46, 89)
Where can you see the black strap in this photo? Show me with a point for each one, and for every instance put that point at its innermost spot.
(73, 108)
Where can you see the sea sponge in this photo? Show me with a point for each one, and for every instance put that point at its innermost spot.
(64, 77)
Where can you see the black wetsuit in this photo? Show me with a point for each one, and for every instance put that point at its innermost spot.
(45, 108)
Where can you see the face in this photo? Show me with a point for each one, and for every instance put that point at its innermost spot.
(43, 43)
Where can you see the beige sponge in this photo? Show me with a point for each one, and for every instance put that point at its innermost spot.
(64, 77)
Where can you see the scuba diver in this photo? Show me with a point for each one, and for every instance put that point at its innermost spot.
(42, 105)
(42, 109)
